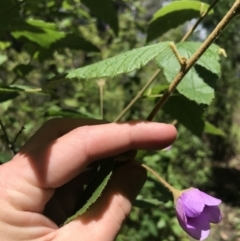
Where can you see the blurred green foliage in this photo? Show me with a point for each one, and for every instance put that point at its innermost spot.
(43, 40)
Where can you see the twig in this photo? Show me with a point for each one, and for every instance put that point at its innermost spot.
(139, 94)
(157, 72)
(200, 19)
(101, 84)
(234, 11)
(18, 134)
(181, 60)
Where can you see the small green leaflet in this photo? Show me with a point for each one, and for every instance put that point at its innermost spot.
(122, 63)
(173, 15)
(199, 83)
(95, 188)
(213, 130)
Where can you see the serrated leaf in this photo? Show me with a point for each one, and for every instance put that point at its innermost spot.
(198, 84)
(186, 112)
(95, 188)
(173, 15)
(122, 63)
(105, 11)
(213, 130)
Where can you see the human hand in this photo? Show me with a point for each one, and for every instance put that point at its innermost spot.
(40, 186)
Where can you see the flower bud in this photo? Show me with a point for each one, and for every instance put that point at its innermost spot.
(195, 211)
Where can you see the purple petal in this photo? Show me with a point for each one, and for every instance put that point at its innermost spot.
(213, 213)
(193, 202)
(209, 200)
(198, 227)
(180, 211)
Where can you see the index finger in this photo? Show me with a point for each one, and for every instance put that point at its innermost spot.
(59, 161)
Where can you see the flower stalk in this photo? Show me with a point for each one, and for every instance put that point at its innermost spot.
(176, 193)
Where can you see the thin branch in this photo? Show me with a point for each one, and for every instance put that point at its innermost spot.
(139, 94)
(18, 134)
(157, 72)
(181, 60)
(101, 84)
(200, 19)
(234, 11)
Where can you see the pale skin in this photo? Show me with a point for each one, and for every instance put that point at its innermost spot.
(40, 186)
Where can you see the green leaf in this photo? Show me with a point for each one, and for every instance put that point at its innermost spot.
(213, 130)
(37, 31)
(74, 41)
(173, 15)
(186, 112)
(95, 188)
(199, 83)
(122, 63)
(105, 11)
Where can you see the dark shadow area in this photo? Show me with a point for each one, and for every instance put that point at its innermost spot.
(225, 184)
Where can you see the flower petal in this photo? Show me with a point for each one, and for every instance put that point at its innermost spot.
(198, 227)
(193, 202)
(209, 200)
(180, 211)
(213, 213)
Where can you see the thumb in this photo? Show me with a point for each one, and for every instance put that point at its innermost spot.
(104, 219)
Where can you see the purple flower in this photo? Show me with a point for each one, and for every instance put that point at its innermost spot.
(195, 211)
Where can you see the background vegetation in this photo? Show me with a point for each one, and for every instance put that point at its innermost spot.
(40, 40)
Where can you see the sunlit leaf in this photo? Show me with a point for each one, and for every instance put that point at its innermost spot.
(197, 85)
(122, 63)
(173, 15)
(37, 31)
(213, 130)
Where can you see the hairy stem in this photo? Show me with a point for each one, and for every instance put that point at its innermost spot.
(157, 72)
(211, 38)
(160, 179)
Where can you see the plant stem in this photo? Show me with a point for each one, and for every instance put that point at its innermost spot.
(157, 72)
(160, 179)
(101, 84)
(139, 94)
(211, 38)
(200, 19)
